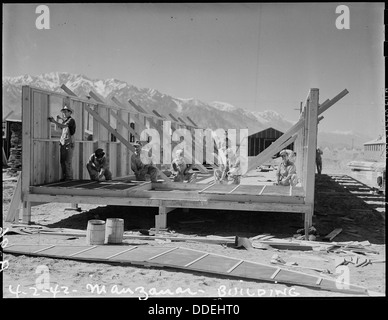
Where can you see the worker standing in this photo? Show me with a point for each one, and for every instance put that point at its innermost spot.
(66, 142)
(318, 160)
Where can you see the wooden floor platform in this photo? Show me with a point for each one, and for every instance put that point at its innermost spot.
(111, 191)
(185, 259)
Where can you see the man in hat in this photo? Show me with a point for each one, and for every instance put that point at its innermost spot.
(286, 173)
(221, 173)
(181, 170)
(140, 166)
(66, 141)
(229, 165)
(98, 166)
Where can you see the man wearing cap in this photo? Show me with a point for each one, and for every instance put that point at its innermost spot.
(286, 173)
(140, 168)
(98, 166)
(181, 170)
(66, 142)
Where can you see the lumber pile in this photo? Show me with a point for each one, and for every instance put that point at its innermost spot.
(15, 157)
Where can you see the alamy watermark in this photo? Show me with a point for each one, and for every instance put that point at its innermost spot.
(198, 148)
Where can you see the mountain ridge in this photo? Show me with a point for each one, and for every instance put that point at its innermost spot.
(211, 115)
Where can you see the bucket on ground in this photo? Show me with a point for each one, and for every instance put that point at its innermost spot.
(114, 230)
(95, 232)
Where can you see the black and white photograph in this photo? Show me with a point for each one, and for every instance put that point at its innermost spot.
(193, 150)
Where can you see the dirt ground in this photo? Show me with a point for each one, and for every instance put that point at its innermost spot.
(360, 217)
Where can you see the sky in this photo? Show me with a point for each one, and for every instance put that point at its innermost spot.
(255, 56)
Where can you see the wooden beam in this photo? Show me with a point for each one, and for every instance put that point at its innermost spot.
(5, 160)
(180, 119)
(195, 125)
(322, 108)
(109, 128)
(158, 114)
(144, 112)
(272, 206)
(311, 143)
(68, 91)
(9, 113)
(119, 104)
(173, 118)
(96, 97)
(140, 126)
(26, 142)
(137, 107)
(124, 124)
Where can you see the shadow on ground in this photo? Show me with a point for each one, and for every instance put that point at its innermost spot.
(340, 202)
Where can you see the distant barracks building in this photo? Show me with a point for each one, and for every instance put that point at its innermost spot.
(375, 150)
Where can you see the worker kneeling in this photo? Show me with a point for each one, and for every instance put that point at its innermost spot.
(142, 165)
(98, 166)
(286, 173)
(180, 170)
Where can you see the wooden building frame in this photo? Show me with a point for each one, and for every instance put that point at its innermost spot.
(39, 181)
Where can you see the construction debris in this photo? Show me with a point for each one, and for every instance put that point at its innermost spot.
(243, 242)
(15, 157)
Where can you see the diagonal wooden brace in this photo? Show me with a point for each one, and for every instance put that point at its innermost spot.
(275, 147)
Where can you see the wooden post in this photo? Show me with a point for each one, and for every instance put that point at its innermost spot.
(161, 218)
(26, 212)
(311, 138)
(26, 147)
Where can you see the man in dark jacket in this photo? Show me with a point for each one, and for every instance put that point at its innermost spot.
(98, 166)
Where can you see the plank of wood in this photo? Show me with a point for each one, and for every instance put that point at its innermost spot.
(26, 145)
(195, 125)
(96, 97)
(333, 234)
(285, 245)
(16, 202)
(158, 114)
(109, 128)
(5, 160)
(9, 114)
(137, 107)
(68, 91)
(173, 118)
(180, 119)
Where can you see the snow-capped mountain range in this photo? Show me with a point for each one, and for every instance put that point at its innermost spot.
(207, 115)
(211, 115)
